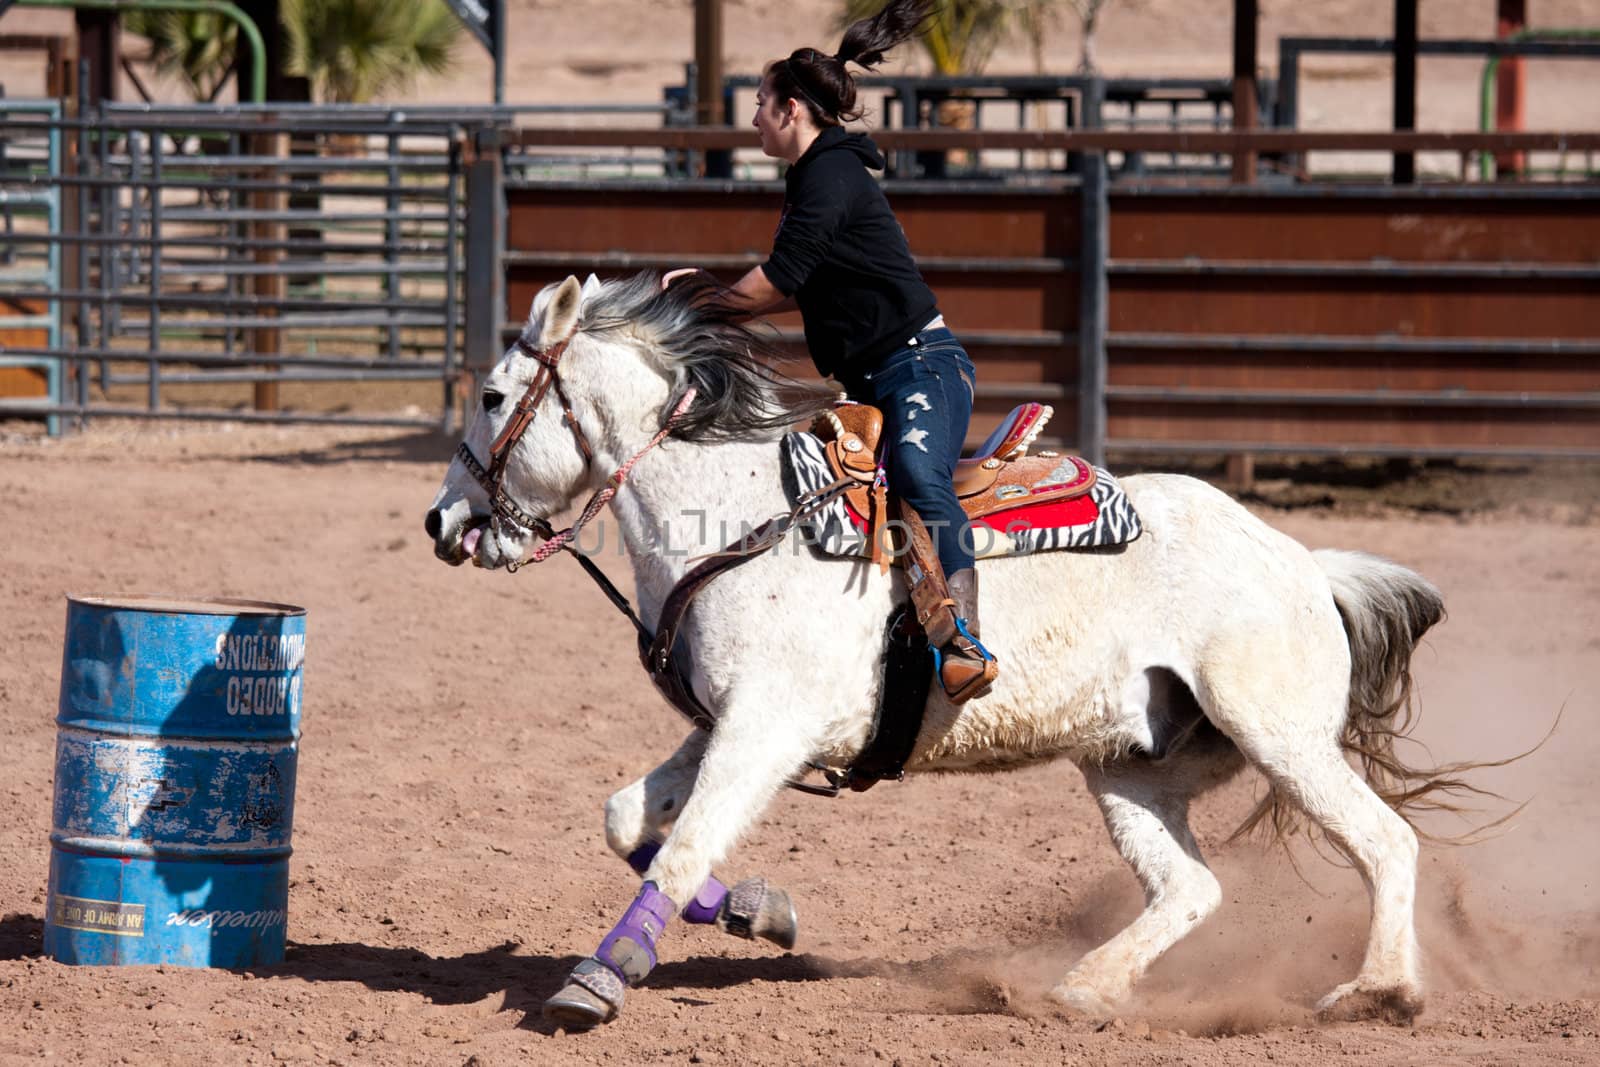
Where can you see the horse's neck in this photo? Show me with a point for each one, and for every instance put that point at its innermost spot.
(688, 500)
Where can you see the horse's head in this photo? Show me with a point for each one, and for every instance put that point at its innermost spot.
(600, 368)
(521, 459)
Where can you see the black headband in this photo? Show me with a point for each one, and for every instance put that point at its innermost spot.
(794, 76)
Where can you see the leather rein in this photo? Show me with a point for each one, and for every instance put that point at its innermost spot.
(655, 646)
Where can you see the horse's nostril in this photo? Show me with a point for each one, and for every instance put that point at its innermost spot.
(433, 523)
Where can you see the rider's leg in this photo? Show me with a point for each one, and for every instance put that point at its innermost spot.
(925, 393)
(965, 668)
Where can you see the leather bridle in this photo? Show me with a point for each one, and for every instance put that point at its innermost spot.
(492, 479)
(505, 510)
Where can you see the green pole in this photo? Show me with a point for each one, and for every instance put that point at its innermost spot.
(1486, 86)
(247, 26)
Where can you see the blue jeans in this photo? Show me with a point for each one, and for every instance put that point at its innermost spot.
(924, 390)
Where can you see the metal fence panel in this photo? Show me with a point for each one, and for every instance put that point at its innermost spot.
(1319, 319)
(216, 258)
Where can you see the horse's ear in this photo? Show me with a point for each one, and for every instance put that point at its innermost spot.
(591, 287)
(541, 303)
(561, 315)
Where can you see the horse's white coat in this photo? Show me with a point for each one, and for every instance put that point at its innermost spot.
(1092, 648)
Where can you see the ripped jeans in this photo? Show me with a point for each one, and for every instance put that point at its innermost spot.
(924, 390)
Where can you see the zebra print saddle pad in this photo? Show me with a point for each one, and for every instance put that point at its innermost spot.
(1102, 516)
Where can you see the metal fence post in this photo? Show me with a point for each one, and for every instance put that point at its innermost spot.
(269, 230)
(485, 246)
(1094, 237)
(391, 232)
(153, 393)
(76, 276)
(1287, 114)
(452, 279)
(1092, 117)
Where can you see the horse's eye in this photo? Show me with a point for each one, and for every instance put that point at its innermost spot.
(491, 399)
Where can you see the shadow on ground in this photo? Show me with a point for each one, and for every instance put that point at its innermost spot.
(21, 936)
(526, 980)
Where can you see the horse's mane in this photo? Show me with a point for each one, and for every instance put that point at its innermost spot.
(740, 394)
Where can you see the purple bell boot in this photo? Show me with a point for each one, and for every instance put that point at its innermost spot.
(749, 910)
(595, 989)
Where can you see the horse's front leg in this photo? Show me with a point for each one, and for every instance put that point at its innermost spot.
(637, 819)
(754, 748)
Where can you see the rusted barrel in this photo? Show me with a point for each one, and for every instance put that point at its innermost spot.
(176, 743)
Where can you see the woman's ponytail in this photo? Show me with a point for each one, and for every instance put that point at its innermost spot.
(866, 40)
(821, 81)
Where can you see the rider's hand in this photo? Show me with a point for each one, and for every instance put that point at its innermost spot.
(666, 279)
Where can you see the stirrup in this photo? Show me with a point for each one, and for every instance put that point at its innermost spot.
(979, 683)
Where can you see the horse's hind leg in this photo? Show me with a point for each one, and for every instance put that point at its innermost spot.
(1146, 808)
(637, 819)
(1383, 849)
(1287, 724)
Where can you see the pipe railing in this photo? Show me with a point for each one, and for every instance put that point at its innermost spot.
(247, 25)
(1491, 66)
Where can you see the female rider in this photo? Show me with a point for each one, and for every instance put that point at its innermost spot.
(871, 322)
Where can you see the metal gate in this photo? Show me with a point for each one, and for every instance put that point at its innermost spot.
(201, 263)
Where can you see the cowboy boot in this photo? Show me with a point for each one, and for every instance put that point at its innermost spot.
(963, 586)
(966, 668)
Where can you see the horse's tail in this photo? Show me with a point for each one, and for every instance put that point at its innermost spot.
(1386, 609)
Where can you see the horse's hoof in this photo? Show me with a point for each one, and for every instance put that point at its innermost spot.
(1081, 1000)
(754, 909)
(1359, 1001)
(593, 995)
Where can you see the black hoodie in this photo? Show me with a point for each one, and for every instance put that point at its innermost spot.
(840, 253)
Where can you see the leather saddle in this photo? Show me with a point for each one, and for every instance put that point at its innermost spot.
(998, 477)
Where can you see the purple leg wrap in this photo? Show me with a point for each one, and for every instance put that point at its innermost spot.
(706, 904)
(630, 948)
(641, 858)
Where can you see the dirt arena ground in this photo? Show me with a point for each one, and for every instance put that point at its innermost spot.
(462, 730)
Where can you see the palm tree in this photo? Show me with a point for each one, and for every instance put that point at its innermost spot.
(196, 47)
(356, 50)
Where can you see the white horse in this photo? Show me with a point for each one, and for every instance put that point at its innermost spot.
(1160, 668)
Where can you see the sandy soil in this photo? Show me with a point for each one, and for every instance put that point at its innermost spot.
(462, 730)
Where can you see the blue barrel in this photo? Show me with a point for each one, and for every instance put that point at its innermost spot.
(174, 795)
